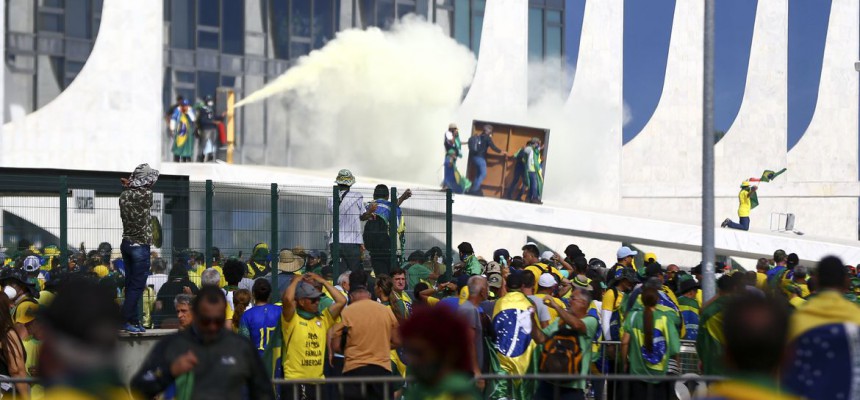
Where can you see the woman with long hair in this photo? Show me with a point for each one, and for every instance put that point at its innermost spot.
(241, 300)
(649, 338)
(12, 354)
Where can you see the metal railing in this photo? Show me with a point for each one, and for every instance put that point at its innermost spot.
(334, 388)
(76, 211)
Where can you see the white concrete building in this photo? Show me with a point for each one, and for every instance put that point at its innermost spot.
(89, 93)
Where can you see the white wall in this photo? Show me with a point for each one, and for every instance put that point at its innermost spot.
(109, 118)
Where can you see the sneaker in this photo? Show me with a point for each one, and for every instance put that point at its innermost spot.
(131, 329)
(725, 223)
(140, 328)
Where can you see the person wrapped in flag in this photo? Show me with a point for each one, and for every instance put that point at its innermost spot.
(181, 130)
(512, 322)
(649, 339)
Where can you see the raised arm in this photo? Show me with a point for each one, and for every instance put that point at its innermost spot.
(339, 299)
(288, 302)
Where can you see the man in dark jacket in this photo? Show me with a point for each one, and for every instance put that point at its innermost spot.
(205, 361)
(478, 146)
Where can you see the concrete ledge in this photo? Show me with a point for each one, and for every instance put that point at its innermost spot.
(133, 349)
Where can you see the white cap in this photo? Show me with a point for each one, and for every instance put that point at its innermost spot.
(547, 255)
(547, 281)
(625, 252)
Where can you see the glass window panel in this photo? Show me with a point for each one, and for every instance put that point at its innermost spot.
(50, 22)
(553, 42)
(298, 49)
(478, 6)
(301, 18)
(233, 27)
(208, 13)
(535, 34)
(385, 14)
(207, 40)
(182, 24)
(444, 3)
(187, 94)
(477, 26)
(207, 83)
(553, 17)
(403, 9)
(53, 3)
(461, 22)
(279, 29)
(323, 22)
(185, 76)
(78, 19)
(365, 14)
(227, 80)
(445, 19)
(423, 8)
(73, 68)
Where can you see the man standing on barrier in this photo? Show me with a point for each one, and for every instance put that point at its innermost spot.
(134, 204)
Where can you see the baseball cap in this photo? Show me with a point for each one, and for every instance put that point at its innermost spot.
(547, 255)
(625, 252)
(495, 281)
(650, 256)
(688, 285)
(306, 291)
(313, 254)
(547, 281)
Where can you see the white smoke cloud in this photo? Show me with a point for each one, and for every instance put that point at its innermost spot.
(375, 101)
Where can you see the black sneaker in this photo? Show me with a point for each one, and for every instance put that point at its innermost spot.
(725, 223)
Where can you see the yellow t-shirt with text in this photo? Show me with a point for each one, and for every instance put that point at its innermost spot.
(305, 344)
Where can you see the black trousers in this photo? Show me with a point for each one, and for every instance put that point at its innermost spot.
(370, 391)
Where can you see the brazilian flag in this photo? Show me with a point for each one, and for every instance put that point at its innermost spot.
(514, 347)
(769, 175)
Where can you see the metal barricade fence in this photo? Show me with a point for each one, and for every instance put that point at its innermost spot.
(75, 218)
(335, 388)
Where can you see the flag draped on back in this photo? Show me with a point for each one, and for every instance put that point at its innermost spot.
(512, 321)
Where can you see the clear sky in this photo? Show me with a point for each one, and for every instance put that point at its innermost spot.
(647, 31)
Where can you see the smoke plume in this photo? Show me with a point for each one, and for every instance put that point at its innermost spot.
(374, 101)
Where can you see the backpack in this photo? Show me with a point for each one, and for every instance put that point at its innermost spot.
(548, 270)
(473, 143)
(561, 355)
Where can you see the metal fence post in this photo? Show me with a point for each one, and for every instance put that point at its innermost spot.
(64, 219)
(335, 230)
(449, 239)
(392, 228)
(273, 248)
(210, 194)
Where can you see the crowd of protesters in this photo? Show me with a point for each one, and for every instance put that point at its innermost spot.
(784, 331)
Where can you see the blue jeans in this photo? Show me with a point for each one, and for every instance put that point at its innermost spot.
(481, 165)
(137, 263)
(533, 186)
(451, 180)
(548, 391)
(744, 224)
(514, 191)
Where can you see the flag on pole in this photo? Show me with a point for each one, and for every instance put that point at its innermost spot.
(769, 175)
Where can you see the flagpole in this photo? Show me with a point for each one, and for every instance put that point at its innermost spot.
(708, 254)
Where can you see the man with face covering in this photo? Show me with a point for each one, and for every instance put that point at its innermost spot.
(205, 361)
(134, 204)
